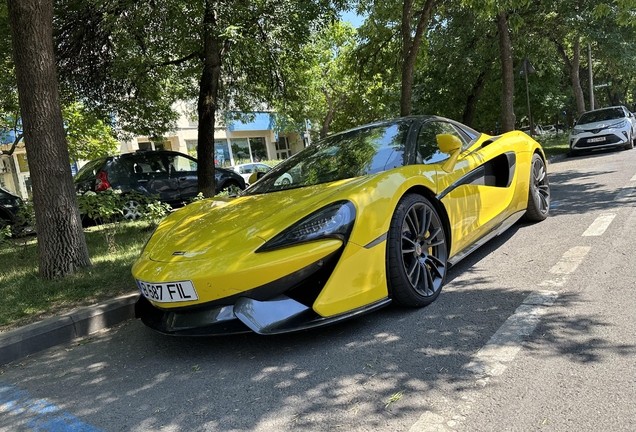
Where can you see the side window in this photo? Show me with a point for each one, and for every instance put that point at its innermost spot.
(181, 163)
(427, 150)
(148, 164)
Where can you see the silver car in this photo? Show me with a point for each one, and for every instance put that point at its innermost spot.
(605, 128)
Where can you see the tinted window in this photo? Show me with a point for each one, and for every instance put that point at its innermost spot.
(181, 163)
(427, 150)
(351, 154)
(148, 163)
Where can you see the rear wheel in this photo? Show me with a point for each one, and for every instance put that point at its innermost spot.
(417, 252)
(539, 193)
(131, 210)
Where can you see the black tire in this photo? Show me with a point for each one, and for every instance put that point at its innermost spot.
(539, 191)
(417, 252)
(630, 143)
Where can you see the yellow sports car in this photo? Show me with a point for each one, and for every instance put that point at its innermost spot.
(368, 216)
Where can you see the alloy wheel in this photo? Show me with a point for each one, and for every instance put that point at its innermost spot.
(424, 249)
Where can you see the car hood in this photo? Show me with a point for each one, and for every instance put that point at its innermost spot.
(599, 125)
(223, 225)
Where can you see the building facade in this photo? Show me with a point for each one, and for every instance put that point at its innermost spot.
(236, 142)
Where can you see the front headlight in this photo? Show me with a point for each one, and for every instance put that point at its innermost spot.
(620, 125)
(333, 221)
(575, 131)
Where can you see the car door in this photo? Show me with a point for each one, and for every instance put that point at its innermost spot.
(476, 192)
(151, 173)
(183, 169)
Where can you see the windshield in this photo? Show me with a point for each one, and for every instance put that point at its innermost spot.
(350, 154)
(602, 115)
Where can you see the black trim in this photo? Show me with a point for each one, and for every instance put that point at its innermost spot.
(497, 172)
(490, 234)
(376, 242)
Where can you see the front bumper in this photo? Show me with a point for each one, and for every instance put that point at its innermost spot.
(597, 141)
(278, 315)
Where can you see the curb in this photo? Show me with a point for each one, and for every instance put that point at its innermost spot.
(32, 338)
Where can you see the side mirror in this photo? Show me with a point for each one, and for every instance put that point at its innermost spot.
(450, 145)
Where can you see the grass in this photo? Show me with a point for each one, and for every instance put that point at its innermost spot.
(25, 298)
(554, 145)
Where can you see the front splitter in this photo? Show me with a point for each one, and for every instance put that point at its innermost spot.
(276, 316)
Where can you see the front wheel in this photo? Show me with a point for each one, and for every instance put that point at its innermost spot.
(539, 193)
(417, 252)
(630, 143)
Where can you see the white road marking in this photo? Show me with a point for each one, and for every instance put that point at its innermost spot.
(504, 345)
(570, 260)
(633, 178)
(599, 226)
(493, 358)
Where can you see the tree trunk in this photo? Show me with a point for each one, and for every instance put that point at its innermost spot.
(324, 130)
(470, 108)
(208, 102)
(61, 244)
(410, 47)
(572, 67)
(507, 74)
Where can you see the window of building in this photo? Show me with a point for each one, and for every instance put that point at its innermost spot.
(222, 153)
(192, 147)
(282, 148)
(258, 148)
(240, 150)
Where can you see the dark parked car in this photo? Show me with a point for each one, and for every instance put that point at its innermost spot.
(9, 206)
(171, 176)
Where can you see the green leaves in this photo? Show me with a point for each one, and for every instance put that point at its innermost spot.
(87, 136)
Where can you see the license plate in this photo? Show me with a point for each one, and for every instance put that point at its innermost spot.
(168, 292)
(599, 139)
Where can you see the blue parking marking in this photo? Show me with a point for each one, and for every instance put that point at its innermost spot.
(38, 415)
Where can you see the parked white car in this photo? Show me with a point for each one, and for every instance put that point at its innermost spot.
(538, 130)
(605, 128)
(246, 170)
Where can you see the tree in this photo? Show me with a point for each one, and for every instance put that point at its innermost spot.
(61, 244)
(88, 136)
(227, 56)
(320, 80)
(394, 29)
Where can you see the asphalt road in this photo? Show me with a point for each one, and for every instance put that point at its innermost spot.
(534, 331)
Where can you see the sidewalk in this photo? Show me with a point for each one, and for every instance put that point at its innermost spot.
(32, 338)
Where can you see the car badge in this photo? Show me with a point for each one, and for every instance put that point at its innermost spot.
(178, 253)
